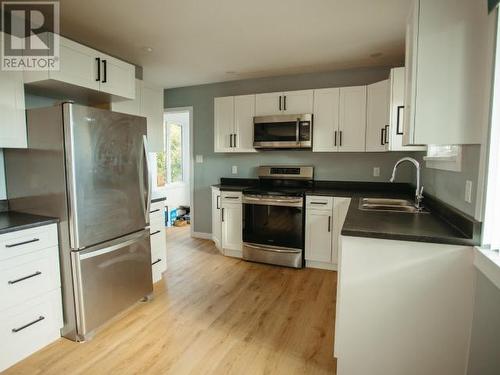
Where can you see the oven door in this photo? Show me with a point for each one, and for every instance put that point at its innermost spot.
(273, 230)
(283, 131)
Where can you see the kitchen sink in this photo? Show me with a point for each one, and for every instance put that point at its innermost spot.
(390, 205)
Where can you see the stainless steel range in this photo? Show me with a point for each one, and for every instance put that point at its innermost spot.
(273, 216)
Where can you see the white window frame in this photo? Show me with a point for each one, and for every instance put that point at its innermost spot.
(185, 151)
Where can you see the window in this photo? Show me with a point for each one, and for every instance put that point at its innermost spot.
(174, 150)
(445, 157)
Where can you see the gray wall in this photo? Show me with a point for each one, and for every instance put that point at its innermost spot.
(329, 166)
(484, 357)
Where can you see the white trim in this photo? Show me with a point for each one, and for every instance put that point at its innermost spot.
(191, 162)
(202, 235)
(321, 265)
(488, 262)
(233, 253)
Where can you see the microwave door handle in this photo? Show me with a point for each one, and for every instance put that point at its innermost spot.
(297, 131)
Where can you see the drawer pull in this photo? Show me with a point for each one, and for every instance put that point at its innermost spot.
(318, 202)
(23, 243)
(156, 261)
(155, 233)
(231, 197)
(40, 318)
(37, 273)
(154, 211)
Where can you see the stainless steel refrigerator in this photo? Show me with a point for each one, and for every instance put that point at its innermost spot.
(88, 167)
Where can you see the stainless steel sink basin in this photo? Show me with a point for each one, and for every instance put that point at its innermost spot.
(389, 205)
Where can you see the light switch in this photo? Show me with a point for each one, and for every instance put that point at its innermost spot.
(468, 191)
(199, 158)
(376, 171)
(234, 169)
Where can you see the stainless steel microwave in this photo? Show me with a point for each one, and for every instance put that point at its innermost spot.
(283, 131)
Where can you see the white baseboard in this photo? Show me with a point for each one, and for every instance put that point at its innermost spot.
(203, 235)
(233, 253)
(321, 265)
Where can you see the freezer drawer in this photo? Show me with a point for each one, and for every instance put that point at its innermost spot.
(109, 278)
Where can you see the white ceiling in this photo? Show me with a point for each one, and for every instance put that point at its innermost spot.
(204, 41)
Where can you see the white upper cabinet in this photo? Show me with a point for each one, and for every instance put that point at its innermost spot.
(289, 102)
(117, 77)
(268, 104)
(152, 109)
(244, 111)
(326, 120)
(377, 116)
(81, 66)
(233, 123)
(132, 106)
(449, 60)
(352, 119)
(397, 112)
(298, 102)
(12, 115)
(223, 124)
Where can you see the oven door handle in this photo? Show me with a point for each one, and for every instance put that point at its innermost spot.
(274, 249)
(274, 202)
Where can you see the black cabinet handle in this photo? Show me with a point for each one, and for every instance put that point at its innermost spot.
(335, 139)
(218, 202)
(386, 140)
(98, 69)
(235, 141)
(154, 211)
(340, 138)
(156, 261)
(222, 214)
(37, 273)
(279, 101)
(229, 197)
(319, 203)
(152, 234)
(23, 243)
(382, 138)
(284, 102)
(329, 223)
(230, 140)
(40, 318)
(105, 68)
(399, 130)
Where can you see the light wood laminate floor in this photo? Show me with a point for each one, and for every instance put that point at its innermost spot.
(211, 315)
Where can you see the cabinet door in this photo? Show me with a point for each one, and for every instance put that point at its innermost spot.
(326, 120)
(268, 104)
(397, 112)
(117, 77)
(410, 73)
(352, 119)
(223, 123)
(340, 208)
(377, 116)
(298, 102)
(319, 235)
(232, 226)
(78, 65)
(132, 106)
(12, 115)
(216, 218)
(152, 109)
(244, 111)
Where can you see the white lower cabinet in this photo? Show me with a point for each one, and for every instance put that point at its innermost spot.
(158, 240)
(31, 305)
(232, 223)
(216, 218)
(324, 219)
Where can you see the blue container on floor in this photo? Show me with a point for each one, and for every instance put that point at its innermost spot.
(173, 217)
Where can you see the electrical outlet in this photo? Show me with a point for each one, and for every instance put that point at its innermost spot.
(199, 158)
(234, 169)
(376, 171)
(468, 191)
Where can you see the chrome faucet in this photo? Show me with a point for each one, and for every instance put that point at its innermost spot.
(420, 189)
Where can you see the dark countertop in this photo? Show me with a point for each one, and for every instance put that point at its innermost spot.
(11, 221)
(443, 224)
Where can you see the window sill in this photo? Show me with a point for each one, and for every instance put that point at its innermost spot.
(488, 262)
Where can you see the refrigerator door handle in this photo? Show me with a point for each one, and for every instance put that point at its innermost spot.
(129, 240)
(147, 205)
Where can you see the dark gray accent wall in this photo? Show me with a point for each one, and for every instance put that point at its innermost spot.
(484, 357)
(328, 166)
